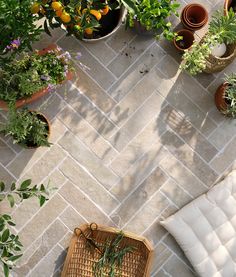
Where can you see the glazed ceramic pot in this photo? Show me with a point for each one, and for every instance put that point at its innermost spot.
(186, 42)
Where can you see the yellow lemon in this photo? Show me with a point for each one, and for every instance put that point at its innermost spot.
(65, 17)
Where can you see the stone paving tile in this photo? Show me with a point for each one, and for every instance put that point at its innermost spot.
(224, 158)
(6, 177)
(142, 194)
(137, 121)
(129, 54)
(189, 158)
(97, 71)
(162, 255)
(138, 70)
(90, 113)
(86, 158)
(88, 185)
(72, 219)
(139, 145)
(6, 153)
(85, 132)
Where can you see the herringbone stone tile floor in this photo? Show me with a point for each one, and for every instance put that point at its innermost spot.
(134, 139)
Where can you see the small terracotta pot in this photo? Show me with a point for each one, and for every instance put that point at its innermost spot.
(220, 102)
(186, 42)
(194, 16)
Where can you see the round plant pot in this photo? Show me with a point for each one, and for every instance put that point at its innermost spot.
(109, 25)
(43, 118)
(229, 4)
(218, 50)
(38, 94)
(220, 101)
(186, 42)
(194, 16)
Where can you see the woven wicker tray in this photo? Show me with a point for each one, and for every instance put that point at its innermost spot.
(80, 259)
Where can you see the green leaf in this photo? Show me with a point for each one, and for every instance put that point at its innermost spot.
(11, 200)
(45, 25)
(42, 188)
(25, 184)
(6, 270)
(6, 216)
(13, 186)
(14, 258)
(11, 223)
(42, 200)
(2, 186)
(5, 235)
(2, 196)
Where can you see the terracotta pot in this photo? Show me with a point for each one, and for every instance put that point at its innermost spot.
(43, 118)
(186, 42)
(194, 16)
(27, 100)
(229, 4)
(220, 102)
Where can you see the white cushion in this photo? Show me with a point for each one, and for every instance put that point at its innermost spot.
(206, 230)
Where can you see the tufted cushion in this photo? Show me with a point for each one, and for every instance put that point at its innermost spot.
(206, 230)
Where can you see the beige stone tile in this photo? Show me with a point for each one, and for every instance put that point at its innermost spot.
(182, 175)
(223, 134)
(129, 54)
(134, 99)
(45, 165)
(142, 194)
(189, 158)
(137, 121)
(87, 159)
(160, 273)
(225, 158)
(90, 113)
(40, 222)
(6, 153)
(100, 50)
(71, 218)
(155, 233)
(88, 185)
(52, 261)
(65, 241)
(143, 219)
(138, 146)
(183, 127)
(6, 177)
(96, 70)
(175, 193)
(45, 243)
(162, 254)
(82, 204)
(176, 267)
(137, 71)
(120, 39)
(85, 132)
(139, 171)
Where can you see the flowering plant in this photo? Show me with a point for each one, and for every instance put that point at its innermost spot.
(17, 28)
(23, 77)
(81, 18)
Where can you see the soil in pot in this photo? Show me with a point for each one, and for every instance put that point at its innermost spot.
(186, 42)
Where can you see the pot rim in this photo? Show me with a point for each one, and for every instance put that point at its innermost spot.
(175, 42)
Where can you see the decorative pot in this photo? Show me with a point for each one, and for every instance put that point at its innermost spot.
(229, 4)
(38, 94)
(218, 50)
(141, 30)
(220, 101)
(186, 42)
(109, 25)
(194, 16)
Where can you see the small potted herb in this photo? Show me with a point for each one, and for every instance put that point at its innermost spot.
(152, 17)
(185, 41)
(220, 39)
(225, 96)
(26, 79)
(27, 128)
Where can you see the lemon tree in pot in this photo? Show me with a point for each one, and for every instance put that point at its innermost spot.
(152, 17)
(27, 128)
(93, 19)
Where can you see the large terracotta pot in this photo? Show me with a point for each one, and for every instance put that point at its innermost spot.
(220, 101)
(38, 94)
(186, 42)
(194, 16)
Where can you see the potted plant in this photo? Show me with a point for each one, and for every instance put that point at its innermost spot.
(225, 96)
(222, 30)
(194, 16)
(84, 19)
(26, 79)
(27, 128)
(151, 17)
(228, 5)
(10, 245)
(17, 28)
(186, 40)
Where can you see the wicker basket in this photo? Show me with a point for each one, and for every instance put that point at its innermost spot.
(80, 259)
(215, 64)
